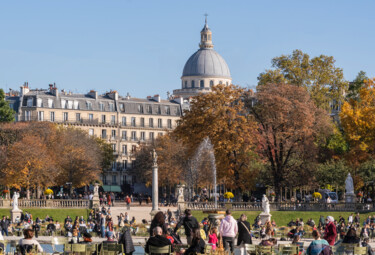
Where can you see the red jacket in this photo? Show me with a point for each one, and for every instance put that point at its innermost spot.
(330, 233)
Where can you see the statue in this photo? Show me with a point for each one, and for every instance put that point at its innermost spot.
(15, 201)
(181, 191)
(349, 185)
(154, 157)
(265, 204)
(96, 189)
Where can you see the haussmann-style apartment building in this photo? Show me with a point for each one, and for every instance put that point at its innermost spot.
(124, 122)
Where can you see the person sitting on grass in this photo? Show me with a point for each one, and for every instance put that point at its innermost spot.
(28, 242)
(157, 240)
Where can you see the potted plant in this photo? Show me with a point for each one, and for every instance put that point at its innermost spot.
(273, 195)
(316, 196)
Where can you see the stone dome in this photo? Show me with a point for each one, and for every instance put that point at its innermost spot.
(206, 62)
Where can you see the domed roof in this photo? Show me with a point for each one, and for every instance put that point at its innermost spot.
(206, 62)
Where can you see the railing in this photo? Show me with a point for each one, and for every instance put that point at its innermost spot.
(284, 206)
(50, 203)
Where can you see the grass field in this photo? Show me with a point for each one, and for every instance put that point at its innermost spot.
(282, 218)
(56, 214)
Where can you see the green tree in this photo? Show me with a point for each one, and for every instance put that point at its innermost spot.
(356, 85)
(332, 172)
(319, 75)
(6, 113)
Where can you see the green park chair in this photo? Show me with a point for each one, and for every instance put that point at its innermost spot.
(165, 249)
(91, 249)
(111, 249)
(360, 250)
(288, 249)
(62, 241)
(207, 249)
(250, 249)
(264, 250)
(78, 248)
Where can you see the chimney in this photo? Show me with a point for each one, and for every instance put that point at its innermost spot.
(24, 89)
(157, 98)
(93, 94)
(128, 96)
(149, 97)
(179, 100)
(113, 95)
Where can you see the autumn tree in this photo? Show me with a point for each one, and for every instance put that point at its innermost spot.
(79, 157)
(358, 123)
(171, 161)
(29, 164)
(221, 116)
(289, 128)
(319, 75)
(6, 113)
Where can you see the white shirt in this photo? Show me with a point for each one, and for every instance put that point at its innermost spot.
(31, 242)
(350, 219)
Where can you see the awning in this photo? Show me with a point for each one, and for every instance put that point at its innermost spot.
(112, 188)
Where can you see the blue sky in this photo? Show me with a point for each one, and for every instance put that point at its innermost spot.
(141, 47)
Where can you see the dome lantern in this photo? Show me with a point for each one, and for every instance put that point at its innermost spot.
(206, 37)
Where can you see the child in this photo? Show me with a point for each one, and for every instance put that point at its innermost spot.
(212, 238)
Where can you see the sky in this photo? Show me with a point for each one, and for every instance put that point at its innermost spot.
(141, 47)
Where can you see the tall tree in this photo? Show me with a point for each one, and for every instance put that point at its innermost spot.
(171, 161)
(289, 127)
(6, 113)
(356, 85)
(80, 157)
(29, 164)
(221, 116)
(319, 75)
(358, 122)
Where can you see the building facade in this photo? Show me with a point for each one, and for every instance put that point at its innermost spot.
(204, 69)
(124, 122)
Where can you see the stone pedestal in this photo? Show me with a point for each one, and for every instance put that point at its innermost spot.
(350, 198)
(14, 214)
(264, 217)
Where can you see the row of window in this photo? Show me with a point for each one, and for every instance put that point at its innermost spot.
(133, 120)
(201, 84)
(73, 104)
(124, 135)
(114, 180)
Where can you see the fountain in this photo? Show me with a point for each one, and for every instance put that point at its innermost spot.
(206, 148)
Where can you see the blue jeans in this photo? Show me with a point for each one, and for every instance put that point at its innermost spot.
(103, 231)
(4, 231)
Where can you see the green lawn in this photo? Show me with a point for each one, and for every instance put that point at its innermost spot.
(282, 218)
(57, 214)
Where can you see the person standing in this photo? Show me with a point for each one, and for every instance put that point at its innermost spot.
(102, 225)
(330, 232)
(127, 201)
(244, 234)
(228, 231)
(4, 226)
(189, 222)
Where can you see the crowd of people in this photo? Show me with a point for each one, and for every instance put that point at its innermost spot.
(164, 230)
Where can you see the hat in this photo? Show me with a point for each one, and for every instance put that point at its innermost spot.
(330, 219)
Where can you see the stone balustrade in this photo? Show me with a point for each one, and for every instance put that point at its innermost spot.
(284, 206)
(47, 203)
